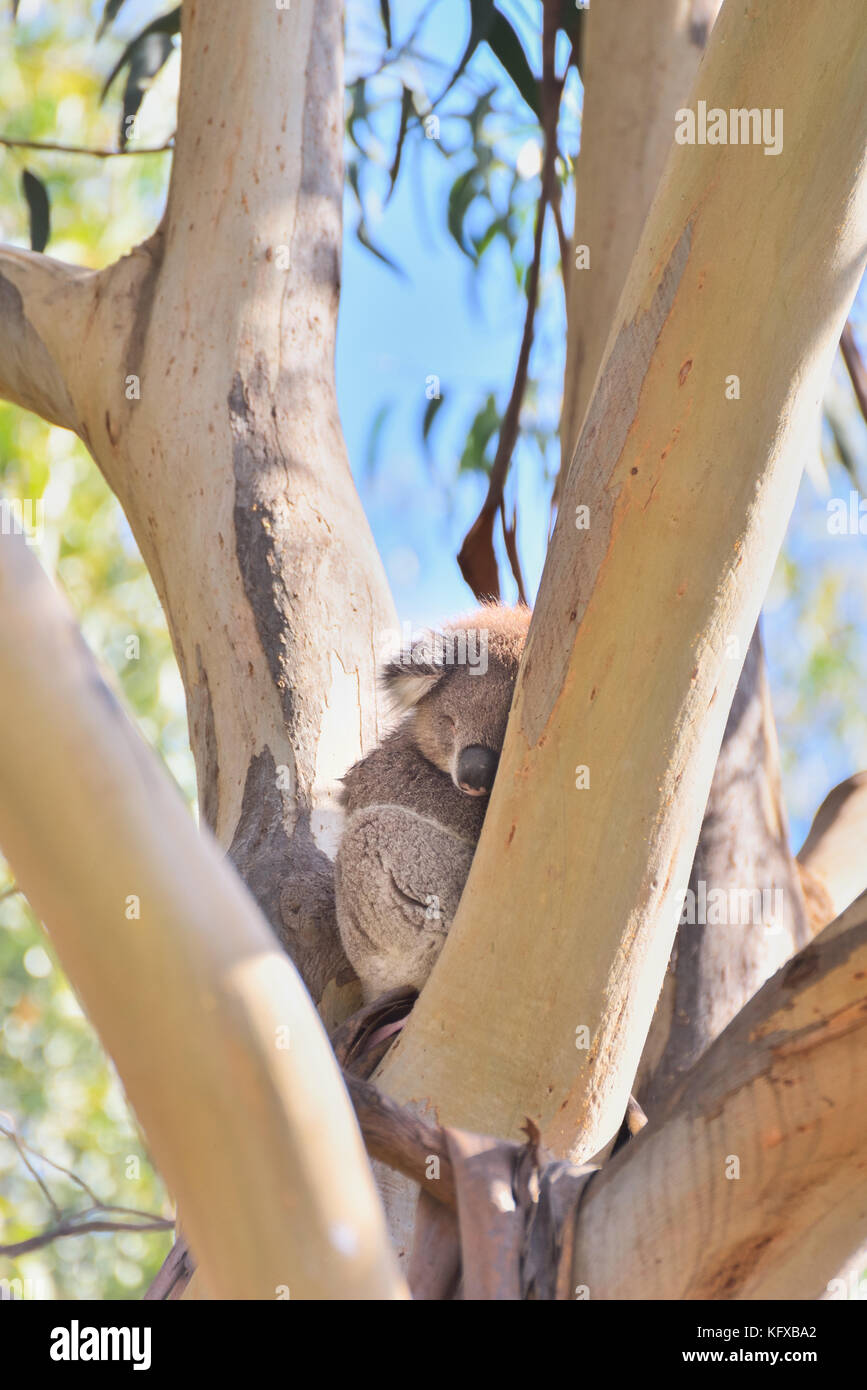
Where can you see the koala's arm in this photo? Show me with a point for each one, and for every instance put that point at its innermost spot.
(396, 774)
(399, 877)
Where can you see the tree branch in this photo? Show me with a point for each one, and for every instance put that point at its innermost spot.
(626, 684)
(832, 859)
(855, 367)
(218, 1044)
(744, 1185)
(51, 147)
(43, 306)
(627, 130)
(76, 1226)
(476, 557)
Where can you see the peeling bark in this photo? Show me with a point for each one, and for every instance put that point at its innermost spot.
(751, 1180)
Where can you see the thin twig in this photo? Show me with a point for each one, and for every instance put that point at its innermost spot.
(402, 1140)
(53, 148)
(563, 240)
(73, 1227)
(10, 1131)
(551, 91)
(10, 892)
(855, 366)
(510, 540)
(92, 1219)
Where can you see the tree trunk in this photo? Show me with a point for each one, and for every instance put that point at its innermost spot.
(639, 66)
(199, 372)
(219, 1047)
(639, 63)
(569, 914)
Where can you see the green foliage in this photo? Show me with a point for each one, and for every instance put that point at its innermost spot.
(144, 57)
(40, 214)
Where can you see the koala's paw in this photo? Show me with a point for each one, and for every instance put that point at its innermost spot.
(399, 877)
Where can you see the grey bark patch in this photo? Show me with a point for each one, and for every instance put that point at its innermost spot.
(255, 447)
(290, 878)
(204, 739)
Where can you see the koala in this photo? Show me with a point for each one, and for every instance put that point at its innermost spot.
(416, 804)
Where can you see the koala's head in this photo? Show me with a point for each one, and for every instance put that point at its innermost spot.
(456, 687)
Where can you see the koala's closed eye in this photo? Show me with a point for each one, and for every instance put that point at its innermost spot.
(416, 804)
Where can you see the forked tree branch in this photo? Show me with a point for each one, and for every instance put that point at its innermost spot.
(218, 1044)
(43, 306)
(748, 1184)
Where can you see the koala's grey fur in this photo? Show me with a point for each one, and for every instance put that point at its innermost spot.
(411, 829)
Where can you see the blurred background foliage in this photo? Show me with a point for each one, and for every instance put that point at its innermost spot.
(443, 150)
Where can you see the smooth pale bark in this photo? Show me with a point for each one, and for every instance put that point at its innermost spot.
(220, 1049)
(199, 372)
(833, 858)
(639, 63)
(570, 911)
(43, 308)
(638, 66)
(752, 1182)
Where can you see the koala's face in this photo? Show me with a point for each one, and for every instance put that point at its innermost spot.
(457, 686)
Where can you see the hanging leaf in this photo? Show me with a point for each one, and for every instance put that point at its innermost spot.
(385, 12)
(498, 227)
(149, 56)
(109, 14)
(358, 110)
(406, 108)
(352, 178)
(363, 237)
(374, 438)
(462, 195)
(39, 208)
(573, 23)
(430, 414)
(167, 24)
(478, 112)
(481, 19)
(508, 50)
(482, 431)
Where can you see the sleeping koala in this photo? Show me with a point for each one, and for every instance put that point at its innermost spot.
(415, 805)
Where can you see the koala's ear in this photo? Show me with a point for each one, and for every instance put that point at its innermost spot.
(414, 674)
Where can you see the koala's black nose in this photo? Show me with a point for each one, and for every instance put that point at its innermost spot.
(476, 769)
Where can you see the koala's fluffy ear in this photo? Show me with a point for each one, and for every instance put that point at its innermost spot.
(412, 675)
